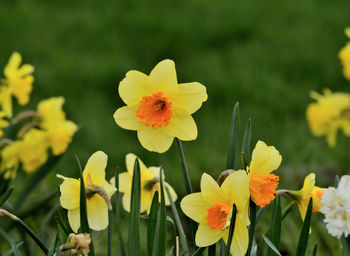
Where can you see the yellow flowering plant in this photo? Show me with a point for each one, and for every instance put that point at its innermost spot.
(344, 56)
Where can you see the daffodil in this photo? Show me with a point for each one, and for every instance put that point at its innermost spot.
(53, 120)
(212, 209)
(18, 83)
(97, 209)
(302, 196)
(10, 159)
(159, 108)
(263, 184)
(328, 114)
(150, 183)
(3, 123)
(344, 55)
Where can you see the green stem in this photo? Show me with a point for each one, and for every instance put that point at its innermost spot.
(184, 167)
(110, 231)
(252, 226)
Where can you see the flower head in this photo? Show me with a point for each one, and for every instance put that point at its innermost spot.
(159, 108)
(3, 123)
(212, 209)
(336, 208)
(328, 114)
(10, 159)
(18, 83)
(97, 209)
(150, 183)
(263, 184)
(344, 56)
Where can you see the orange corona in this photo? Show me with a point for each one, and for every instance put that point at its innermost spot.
(262, 188)
(217, 215)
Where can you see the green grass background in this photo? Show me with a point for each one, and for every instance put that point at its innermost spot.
(268, 55)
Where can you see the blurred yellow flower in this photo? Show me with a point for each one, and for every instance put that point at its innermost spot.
(10, 159)
(97, 209)
(344, 55)
(262, 184)
(3, 123)
(212, 209)
(18, 83)
(302, 196)
(53, 120)
(159, 108)
(149, 184)
(329, 113)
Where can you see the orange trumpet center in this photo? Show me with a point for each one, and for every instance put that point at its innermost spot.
(217, 215)
(262, 188)
(154, 110)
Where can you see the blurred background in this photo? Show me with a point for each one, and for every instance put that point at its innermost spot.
(268, 55)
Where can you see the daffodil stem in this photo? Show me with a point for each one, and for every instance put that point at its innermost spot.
(252, 226)
(110, 231)
(184, 167)
(286, 210)
(26, 228)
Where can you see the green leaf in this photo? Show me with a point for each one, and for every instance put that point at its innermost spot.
(178, 224)
(271, 245)
(9, 240)
(17, 246)
(345, 243)
(212, 250)
(231, 230)
(117, 214)
(314, 251)
(110, 232)
(159, 248)
(251, 228)
(336, 181)
(184, 167)
(260, 213)
(5, 196)
(152, 223)
(62, 227)
(244, 161)
(287, 210)
(305, 231)
(246, 140)
(199, 251)
(134, 225)
(275, 230)
(233, 146)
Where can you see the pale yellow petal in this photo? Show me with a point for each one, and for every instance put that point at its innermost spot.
(194, 207)
(74, 219)
(163, 77)
(6, 101)
(240, 238)
(126, 202)
(96, 166)
(155, 171)
(125, 180)
(182, 126)
(97, 212)
(309, 183)
(13, 64)
(211, 191)
(130, 163)
(146, 201)
(154, 139)
(70, 193)
(109, 188)
(206, 236)
(172, 193)
(190, 97)
(25, 69)
(134, 87)
(125, 117)
(265, 159)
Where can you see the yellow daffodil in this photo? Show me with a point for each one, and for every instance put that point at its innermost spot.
(344, 55)
(53, 120)
(328, 114)
(212, 209)
(97, 209)
(302, 196)
(10, 159)
(262, 184)
(3, 123)
(159, 108)
(18, 83)
(149, 184)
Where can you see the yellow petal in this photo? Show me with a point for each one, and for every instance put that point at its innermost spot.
(163, 77)
(146, 201)
(206, 236)
(97, 212)
(96, 166)
(133, 87)
(109, 188)
(13, 64)
(74, 219)
(70, 193)
(154, 139)
(125, 117)
(61, 136)
(25, 69)
(50, 112)
(195, 207)
(309, 183)
(236, 185)
(265, 159)
(6, 101)
(155, 171)
(130, 163)
(347, 32)
(126, 202)
(125, 180)
(172, 193)
(240, 238)
(302, 209)
(182, 126)
(190, 97)
(210, 189)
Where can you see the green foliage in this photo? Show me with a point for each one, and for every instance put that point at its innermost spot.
(305, 231)
(274, 233)
(234, 141)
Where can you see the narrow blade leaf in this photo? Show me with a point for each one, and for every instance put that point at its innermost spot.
(305, 231)
(275, 230)
(152, 223)
(233, 146)
(117, 215)
(231, 230)
(271, 245)
(246, 139)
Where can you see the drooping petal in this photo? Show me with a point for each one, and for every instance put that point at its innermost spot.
(163, 77)
(265, 159)
(70, 193)
(96, 166)
(97, 212)
(182, 126)
(211, 192)
(109, 188)
(125, 180)
(154, 139)
(309, 183)
(74, 219)
(240, 238)
(194, 207)
(190, 97)
(125, 117)
(206, 235)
